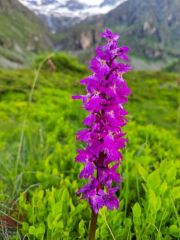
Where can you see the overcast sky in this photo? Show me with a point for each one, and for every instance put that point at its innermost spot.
(91, 2)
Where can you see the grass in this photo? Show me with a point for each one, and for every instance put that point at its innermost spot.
(39, 177)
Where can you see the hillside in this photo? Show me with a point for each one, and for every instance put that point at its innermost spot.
(39, 177)
(21, 34)
(173, 67)
(150, 28)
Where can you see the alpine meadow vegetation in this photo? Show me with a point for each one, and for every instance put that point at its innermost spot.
(39, 178)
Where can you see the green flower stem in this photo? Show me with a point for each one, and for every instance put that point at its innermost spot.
(92, 229)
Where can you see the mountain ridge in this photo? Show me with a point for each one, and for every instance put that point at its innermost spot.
(151, 29)
(21, 34)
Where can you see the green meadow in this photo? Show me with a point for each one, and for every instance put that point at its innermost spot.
(38, 175)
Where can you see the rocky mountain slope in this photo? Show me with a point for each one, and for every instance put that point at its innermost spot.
(21, 34)
(150, 28)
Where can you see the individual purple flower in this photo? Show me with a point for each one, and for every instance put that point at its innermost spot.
(108, 35)
(107, 92)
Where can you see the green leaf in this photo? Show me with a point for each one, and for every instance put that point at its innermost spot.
(25, 227)
(174, 231)
(163, 167)
(142, 172)
(136, 214)
(50, 219)
(137, 219)
(176, 192)
(163, 188)
(171, 174)
(53, 220)
(81, 228)
(40, 195)
(153, 201)
(136, 210)
(41, 229)
(65, 205)
(32, 230)
(153, 180)
(127, 222)
(37, 231)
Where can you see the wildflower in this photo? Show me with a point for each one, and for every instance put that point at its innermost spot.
(107, 92)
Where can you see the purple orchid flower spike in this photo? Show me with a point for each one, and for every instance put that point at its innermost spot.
(107, 92)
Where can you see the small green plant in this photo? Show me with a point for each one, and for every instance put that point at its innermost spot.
(60, 62)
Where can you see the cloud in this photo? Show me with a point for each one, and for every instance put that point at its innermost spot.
(91, 2)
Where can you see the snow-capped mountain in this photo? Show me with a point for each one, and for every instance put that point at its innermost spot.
(71, 8)
(69, 12)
